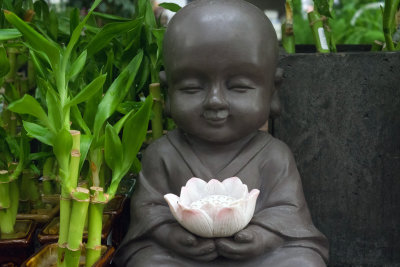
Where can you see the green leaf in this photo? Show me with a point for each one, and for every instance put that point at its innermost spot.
(134, 133)
(109, 16)
(112, 149)
(36, 40)
(8, 34)
(62, 148)
(78, 65)
(149, 18)
(85, 143)
(108, 32)
(73, 19)
(13, 145)
(52, 25)
(135, 130)
(170, 6)
(324, 7)
(88, 91)
(118, 126)
(4, 64)
(37, 63)
(77, 117)
(39, 155)
(39, 132)
(54, 109)
(77, 33)
(116, 93)
(29, 105)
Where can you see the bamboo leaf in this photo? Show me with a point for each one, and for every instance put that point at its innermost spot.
(29, 105)
(112, 149)
(52, 25)
(39, 132)
(108, 32)
(4, 64)
(77, 116)
(37, 63)
(134, 133)
(109, 16)
(116, 93)
(54, 109)
(324, 7)
(85, 143)
(62, 148)
(170, 6)
(36, 40)
(135, 130)
(73, 19)
(8, 34)
(88, 91)
(118, 126)
(78, 65)
(77, 33)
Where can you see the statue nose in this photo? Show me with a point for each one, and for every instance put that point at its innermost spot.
(216, 99)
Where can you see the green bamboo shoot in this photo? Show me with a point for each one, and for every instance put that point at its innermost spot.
(318, 31)
(156, 121)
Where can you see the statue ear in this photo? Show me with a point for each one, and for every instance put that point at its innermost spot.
(163, 83)
(275, 107)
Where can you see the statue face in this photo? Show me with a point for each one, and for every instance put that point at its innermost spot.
(219, 86)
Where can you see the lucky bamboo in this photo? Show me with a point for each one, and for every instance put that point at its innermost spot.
(9, 215)
(288, 41)
(47, 176)
(80, 203)
(389, 13)
(318, 31)
(65, 200)
(98, 201)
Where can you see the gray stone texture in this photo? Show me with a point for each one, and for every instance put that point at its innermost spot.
(341, 118)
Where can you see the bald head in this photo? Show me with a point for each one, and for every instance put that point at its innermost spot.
(204, 24)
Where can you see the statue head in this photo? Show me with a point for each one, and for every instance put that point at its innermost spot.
(220, 63)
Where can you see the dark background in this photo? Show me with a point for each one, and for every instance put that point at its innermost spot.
(341, 118)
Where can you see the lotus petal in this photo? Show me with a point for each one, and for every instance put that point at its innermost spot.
(251, 203)
(193, 191)
(235, 188)
(215, 187)
(197, 222)
(172, 201)
(229, 221)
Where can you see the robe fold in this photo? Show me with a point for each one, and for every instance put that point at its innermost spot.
(264, 163)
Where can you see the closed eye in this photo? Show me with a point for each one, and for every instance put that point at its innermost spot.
(191, 90)
(240, 88)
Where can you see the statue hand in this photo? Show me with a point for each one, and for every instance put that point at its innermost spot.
(175, 237)
(249, 242)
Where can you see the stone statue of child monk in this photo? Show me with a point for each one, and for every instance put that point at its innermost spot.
(220, 64)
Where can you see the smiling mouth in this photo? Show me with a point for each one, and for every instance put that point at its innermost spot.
(216, 115)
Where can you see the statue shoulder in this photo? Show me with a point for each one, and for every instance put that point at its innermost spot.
(277, 151)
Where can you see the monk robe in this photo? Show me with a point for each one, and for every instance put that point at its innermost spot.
(264, 163)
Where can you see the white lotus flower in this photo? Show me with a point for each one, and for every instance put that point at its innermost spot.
(213, 209)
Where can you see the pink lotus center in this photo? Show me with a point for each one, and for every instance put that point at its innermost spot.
(215, 200)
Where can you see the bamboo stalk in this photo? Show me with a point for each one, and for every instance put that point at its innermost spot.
(80, 203)
(318, 31)
(65, 201)
(12, 59)
(47, 174)
(288, 41)
(96, 207)
(4, 190)
(156, 121)
(9, 216)
(389, 13)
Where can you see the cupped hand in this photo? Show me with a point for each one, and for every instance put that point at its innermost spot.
(247, 243)
(175, 237)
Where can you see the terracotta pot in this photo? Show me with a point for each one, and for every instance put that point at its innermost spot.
(47, 257)
(49, 234)
(14, 251)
